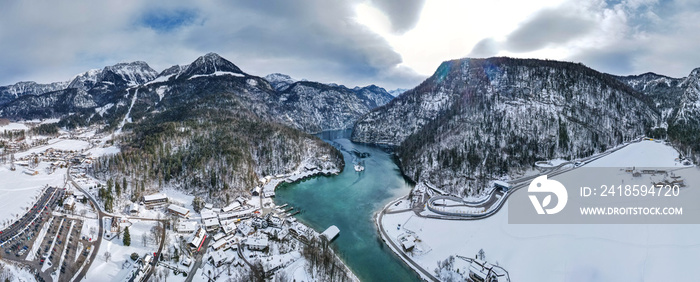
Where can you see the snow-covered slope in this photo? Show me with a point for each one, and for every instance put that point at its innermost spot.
(120, 75)
(398, 91)
(279, 81)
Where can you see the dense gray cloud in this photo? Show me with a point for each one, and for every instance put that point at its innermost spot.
(487, 47)
(403, 14)
(618, 37)
(548, 27)
(321, 40)
(312, 39)
(659, 37)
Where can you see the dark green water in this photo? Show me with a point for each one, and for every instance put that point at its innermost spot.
(349, 201)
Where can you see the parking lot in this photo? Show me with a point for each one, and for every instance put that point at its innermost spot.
(61, 251)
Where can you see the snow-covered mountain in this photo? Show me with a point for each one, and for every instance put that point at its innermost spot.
(305, 105)
(210, 64)
(478, 118)
(19, 89)
(279, 81)
(398, 91)
(315, 107)
(120, 75)
(206, 124)
(678, 100)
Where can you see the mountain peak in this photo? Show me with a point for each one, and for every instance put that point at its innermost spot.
(279, 81)
(124, 74)
(695, 73)
(210, 64)
(213, 56)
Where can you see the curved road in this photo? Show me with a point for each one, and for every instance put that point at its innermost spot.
(517, 184)
(100, 214)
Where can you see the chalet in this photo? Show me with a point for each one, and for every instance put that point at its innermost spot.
(179, 211)
(301, 232)
(135, 209)
(69, 203)
(207, 214)
(245, 229)
(257, 243)
(228, 226)
(155, 200)
(218, 258)
(186, 227)
(211, 224)
(275, 221)
(241, 200)
(233, 206)
(408, 242)
(220, 245)
(481, 271)
(236, 214)
(218, 236)
(198, 238)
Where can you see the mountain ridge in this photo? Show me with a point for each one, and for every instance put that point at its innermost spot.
(485, 118)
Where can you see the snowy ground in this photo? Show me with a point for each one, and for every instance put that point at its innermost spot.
(99, 151)
(116, 268)
(642, 154)
(14, 126)
(568, 252)
(14, 272)
(18, 190)
(58, 144)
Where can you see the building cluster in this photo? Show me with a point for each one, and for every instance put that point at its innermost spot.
(238, 226)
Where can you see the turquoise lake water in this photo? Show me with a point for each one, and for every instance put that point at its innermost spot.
(349, 201)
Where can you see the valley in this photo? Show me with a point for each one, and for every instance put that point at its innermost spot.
(220, 174)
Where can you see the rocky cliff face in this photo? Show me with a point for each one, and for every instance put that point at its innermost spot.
(482, 118)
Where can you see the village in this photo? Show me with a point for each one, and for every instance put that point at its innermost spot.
(164, 235)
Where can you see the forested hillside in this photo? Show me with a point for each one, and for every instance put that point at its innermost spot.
(486, 118)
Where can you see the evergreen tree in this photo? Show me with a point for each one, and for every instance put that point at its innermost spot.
(127, 237)
(109, 186)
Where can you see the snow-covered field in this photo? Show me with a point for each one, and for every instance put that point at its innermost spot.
(99, 151)
(58, 144)
(19, 190)
(641, 154)
(14, 126)
(568, 252)
(112, 270)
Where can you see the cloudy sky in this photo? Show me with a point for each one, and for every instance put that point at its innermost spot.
(391, 43)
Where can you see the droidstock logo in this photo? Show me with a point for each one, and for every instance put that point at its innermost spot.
(542, 184)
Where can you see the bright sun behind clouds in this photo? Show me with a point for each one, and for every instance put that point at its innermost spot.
(450, 29)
